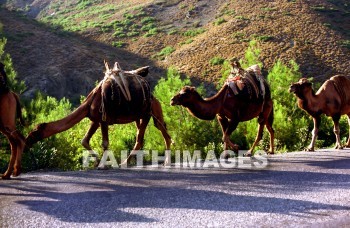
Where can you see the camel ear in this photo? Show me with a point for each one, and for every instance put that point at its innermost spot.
(106, 65)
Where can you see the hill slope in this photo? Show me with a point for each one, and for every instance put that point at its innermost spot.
(64, 56)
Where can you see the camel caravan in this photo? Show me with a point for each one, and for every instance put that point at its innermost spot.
(125, 96)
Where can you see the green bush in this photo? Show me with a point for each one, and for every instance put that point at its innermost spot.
(216, 61)
(148, 27)
(118, 44)
(165, 52)
(291, 124)
(219, 21)
(148, 20)
(188, 132)
(194, 32)
(14, 84)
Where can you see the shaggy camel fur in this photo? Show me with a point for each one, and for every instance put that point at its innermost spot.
(230, 109)
(122, 97)
(332, 99)
(10, 109)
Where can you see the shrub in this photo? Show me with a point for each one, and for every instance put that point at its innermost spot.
(148, 20)
(219, 21)
(291, 123)
(194, 32)
(188, 132)
(118, 44)
(216, 61)
(152, 32)
(148, 27)
(165, 52)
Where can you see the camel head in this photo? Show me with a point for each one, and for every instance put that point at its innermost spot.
(35, 135)
(300, 88)
(186, 96)
(3, 75)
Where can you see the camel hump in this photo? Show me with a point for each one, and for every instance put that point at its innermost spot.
(342, 85)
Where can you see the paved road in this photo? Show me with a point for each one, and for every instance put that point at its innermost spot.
(296, 189)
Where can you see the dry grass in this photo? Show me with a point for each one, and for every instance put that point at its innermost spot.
(313, 33)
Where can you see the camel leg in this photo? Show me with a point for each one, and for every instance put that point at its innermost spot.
(105, 143)
(86, 140)
(258, 137)
(348, 142)
(272, 133)
(227, 127)
(13, 155)
(159, 123)
(337, 132)
(20, 140)
(141, 128)
(105, 139)
(223, 123)
(317, 122)
(266, 118)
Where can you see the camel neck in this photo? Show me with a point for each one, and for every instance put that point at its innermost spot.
(310, 102)
(206, 109)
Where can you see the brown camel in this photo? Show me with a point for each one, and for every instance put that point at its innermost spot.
(232, 106)
(10, 109)
(121, 97)
(332, 99)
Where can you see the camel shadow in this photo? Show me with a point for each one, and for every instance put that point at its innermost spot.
(114, 196)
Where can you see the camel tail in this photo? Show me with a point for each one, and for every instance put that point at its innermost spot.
(19, 110)
(158, 119)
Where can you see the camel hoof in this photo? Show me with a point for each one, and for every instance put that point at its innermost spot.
(248, 154)
(102, 167)
(338, 148)
(6, 177)
(16, 172)
(309, 149)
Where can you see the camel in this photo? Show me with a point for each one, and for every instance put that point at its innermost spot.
(232, 106)
(332, 99)
(10, 110)
(121, 97)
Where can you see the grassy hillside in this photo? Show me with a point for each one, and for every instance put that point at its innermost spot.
(59, 46)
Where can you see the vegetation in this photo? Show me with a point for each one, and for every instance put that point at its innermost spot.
(165, 52)
(216, 61)
(219, 21)
(63, 151)
(194, 32)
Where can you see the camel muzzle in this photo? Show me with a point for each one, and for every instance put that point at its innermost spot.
(292, 89)
(174, 101)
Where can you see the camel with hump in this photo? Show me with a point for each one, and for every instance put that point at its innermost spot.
(10, 111)
(244, 96)
(121, 97)
(332, 99)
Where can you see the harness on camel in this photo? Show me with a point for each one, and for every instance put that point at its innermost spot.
(240, 78)
(114, 75)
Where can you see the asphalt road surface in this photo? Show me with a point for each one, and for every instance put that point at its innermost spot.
(300, 189)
